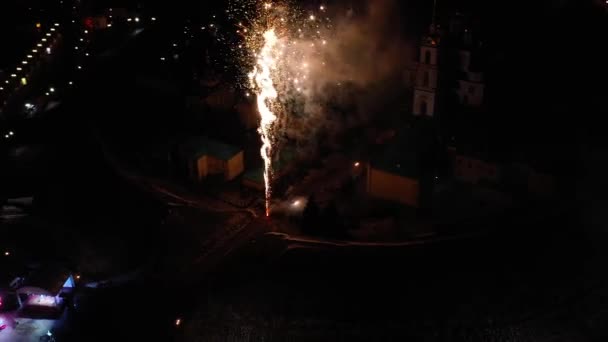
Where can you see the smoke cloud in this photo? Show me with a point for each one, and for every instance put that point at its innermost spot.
(355, 75)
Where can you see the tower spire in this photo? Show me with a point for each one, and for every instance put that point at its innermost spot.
(433, 18)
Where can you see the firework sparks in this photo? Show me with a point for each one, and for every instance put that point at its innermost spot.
(279, 39)
(262, 77)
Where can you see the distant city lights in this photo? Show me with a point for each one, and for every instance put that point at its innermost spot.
(136, 19)
(52, 90)
(48, 50)
(56, 24)
(30, 56)
(23, 81)
(153, 18)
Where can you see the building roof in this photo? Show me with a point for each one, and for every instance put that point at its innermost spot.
(197, 147)
(401, 155)
(50, 278)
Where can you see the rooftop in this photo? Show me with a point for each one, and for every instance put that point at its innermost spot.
(401, 155)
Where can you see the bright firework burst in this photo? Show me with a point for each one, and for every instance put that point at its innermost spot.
(262, 78)
(283, 42)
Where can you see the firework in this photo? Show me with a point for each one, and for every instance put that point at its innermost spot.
(262, 77)
(283, 42)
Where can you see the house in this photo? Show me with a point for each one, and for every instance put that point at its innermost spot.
(393, 182)
(399, 170)
(44, 289)
(204, 157)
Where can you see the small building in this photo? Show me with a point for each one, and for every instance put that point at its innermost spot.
(204, 157)
(395, 172)
(393, 183)
(44, 289)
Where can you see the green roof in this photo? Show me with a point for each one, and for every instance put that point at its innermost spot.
(400, 156)
(200, 146)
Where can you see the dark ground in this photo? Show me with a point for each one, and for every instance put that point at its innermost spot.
(536, 280)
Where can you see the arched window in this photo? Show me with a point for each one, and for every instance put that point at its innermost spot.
(423, 107)
(427, 57)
